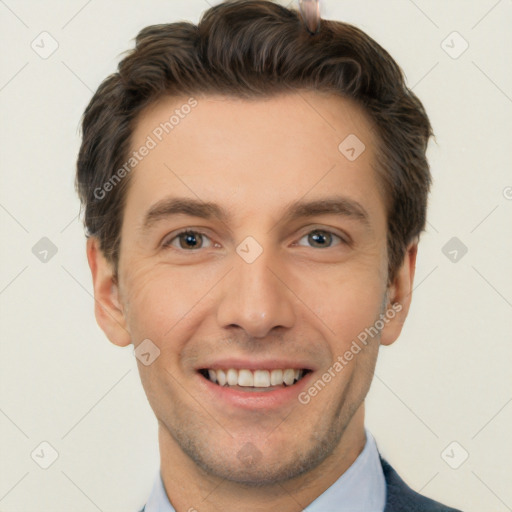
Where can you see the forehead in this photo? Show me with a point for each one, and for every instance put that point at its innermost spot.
(254, 154)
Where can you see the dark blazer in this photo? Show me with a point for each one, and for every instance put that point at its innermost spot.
(401, 498)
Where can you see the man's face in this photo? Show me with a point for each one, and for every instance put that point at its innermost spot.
(261, 288)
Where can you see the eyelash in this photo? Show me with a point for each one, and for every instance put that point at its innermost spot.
(167, 244)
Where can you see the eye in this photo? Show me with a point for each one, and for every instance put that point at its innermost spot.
(187, 239)
(321, 238)
(190, 240)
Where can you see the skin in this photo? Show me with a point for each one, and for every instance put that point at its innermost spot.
(298, 299)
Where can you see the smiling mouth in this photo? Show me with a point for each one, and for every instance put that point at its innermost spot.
(254, 380)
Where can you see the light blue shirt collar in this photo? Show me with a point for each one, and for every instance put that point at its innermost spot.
(362, 488)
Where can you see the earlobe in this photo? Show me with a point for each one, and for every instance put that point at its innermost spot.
(107, 305)
(399, 296)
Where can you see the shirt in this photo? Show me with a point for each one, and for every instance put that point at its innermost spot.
(361, 488)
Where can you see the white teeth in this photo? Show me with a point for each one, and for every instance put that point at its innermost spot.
(261, 379)
(256, 378)
(289, 377)
(232, 376)
(245, 378)
(276, 377)
(221, 377)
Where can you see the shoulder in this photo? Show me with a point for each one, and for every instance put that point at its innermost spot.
(401, 498)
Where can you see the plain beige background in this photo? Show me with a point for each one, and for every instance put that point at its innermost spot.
(441, 392)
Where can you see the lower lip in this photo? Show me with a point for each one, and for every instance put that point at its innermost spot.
(253, 400)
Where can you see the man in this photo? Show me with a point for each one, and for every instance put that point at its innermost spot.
(254, 193)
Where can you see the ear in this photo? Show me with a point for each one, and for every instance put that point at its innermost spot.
(107, 307)
(399, 295)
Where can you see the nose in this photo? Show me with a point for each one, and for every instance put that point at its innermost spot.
(255, 296)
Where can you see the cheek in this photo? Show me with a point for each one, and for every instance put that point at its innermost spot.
(345, 302)
(161, 302)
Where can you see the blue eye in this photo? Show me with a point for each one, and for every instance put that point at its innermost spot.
(191, 240)
(321, 238)
(188, 239)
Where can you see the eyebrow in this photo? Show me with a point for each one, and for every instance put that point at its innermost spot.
(336, 205)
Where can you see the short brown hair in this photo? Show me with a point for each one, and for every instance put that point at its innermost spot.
(250, 49)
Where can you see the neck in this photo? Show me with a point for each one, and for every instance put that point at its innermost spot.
(189, 487)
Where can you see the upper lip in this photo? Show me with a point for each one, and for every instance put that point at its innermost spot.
(252, 364)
